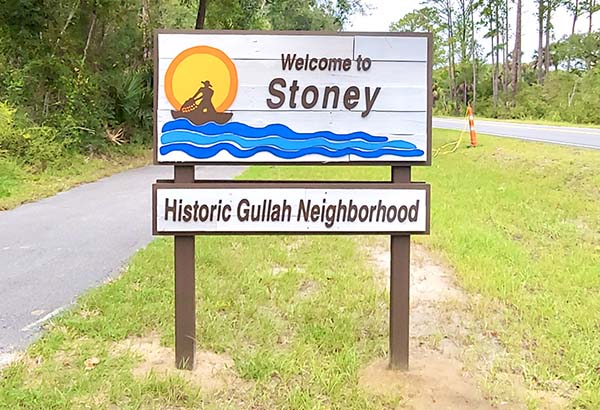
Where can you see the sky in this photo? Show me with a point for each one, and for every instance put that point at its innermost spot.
(384, 12)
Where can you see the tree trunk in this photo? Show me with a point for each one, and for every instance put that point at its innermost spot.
(201, 15)
(591, 13)
(497, 65)
(90, 33)
(68, 22)
(451, 70)
(540, 58)
(516, 66)
(505, 31)
(145, 26)
(474, 56)
(494, 70)
(575, 16)
(548, 29)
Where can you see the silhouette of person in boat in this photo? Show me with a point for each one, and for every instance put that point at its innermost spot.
(204, 94)
(199, 109)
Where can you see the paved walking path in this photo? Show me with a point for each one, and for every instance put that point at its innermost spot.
(53, 250)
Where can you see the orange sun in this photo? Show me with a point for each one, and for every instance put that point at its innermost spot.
(194, 65)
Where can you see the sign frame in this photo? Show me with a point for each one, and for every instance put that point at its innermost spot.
(350, 185)
(400, 177)
(429, 85)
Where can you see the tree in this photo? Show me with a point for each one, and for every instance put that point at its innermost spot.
(590, 7)
(540, 50)
(201, 14)
(491, 15)
(472, 8)
(544, 15)
(580, 52)
(425, 19)
(446, 12)
(575, 10)
(516, 55)
(551, 6)
(274, 14)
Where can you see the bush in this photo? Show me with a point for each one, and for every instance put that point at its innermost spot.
(34, 146)
(130, 97)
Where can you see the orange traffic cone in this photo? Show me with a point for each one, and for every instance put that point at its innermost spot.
(472, 126)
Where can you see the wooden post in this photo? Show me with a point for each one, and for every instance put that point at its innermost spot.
(185, 286)
(399, 288)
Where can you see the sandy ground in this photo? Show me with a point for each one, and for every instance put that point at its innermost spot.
(211, 372)
(451, 361)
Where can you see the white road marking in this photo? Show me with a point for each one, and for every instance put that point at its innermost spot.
(43, 319)
(589, 131)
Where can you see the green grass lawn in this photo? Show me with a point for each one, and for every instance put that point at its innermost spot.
(18, 184)
(519, 222)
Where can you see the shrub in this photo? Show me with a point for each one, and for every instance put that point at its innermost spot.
(21, 140)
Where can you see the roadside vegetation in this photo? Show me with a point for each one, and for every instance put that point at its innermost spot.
(20, 184)
(479, 59)
(299, 316)
(76, 80)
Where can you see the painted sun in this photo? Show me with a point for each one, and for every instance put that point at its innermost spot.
(192, 67)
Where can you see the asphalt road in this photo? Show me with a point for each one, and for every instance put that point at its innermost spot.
(53, 250)
(576, 137)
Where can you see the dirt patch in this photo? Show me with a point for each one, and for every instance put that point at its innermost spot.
(431, 284)
(432, 382)
(307, 289)
(452, 362)
(211, 372)
(6, 359)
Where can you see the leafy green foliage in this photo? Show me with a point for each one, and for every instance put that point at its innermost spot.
(426, 19)
(465, 72)
(130, 94)
(74, 71)
(37, 146)
(578, 51)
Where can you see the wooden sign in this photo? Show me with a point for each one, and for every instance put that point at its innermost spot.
(291, 98)
(264, 97)
(279, 207)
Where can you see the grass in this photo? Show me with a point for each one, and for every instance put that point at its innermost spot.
(20, 184)
(297, 348)
(519, 222)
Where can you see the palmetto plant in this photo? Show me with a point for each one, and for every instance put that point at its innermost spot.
(131, 96)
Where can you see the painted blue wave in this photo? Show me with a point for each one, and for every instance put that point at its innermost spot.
(199, 139)
(209, 152)
(243, 141)
(247, 131)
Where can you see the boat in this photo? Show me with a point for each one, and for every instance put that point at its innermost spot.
(198, 117)
(199, 108)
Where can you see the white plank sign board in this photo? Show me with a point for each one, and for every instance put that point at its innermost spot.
(280, 208)
(292, 97)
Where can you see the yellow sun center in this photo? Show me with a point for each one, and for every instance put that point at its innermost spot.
(191, 67)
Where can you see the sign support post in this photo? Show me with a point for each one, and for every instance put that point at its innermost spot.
(185, 288)
(399, 288)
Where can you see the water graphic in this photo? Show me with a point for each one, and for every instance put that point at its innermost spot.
(243, 141)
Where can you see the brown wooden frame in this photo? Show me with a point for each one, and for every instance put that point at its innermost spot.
(429, 37)
(290, 184)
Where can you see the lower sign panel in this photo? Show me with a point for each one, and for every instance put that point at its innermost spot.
(303, 208)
